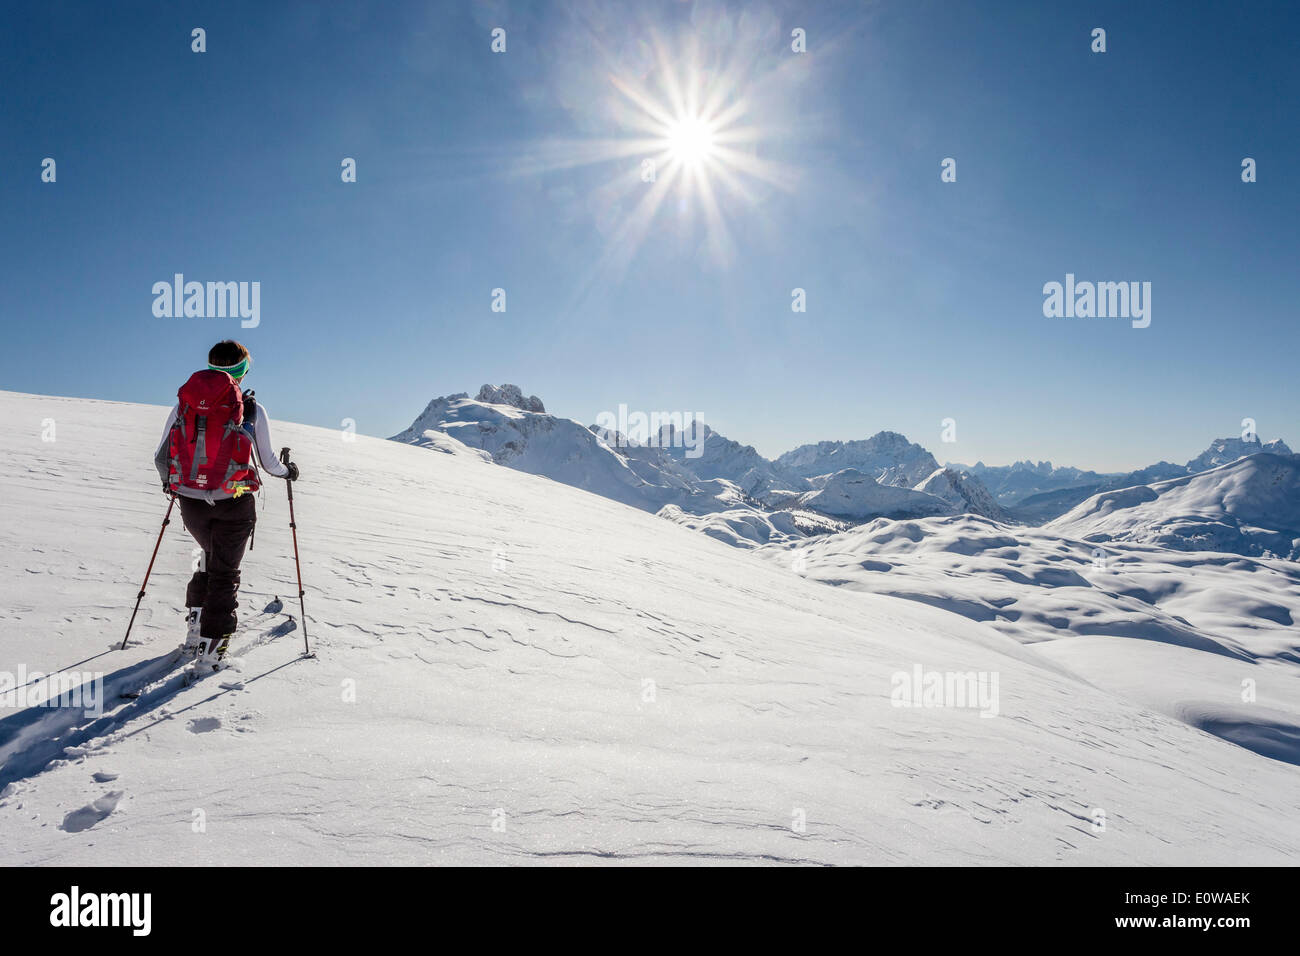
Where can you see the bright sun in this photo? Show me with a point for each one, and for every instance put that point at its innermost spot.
(690, 141)
(688, 135)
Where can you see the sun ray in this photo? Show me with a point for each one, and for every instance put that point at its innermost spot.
(696, 131)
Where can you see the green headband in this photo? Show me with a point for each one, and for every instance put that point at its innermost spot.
(237, 371)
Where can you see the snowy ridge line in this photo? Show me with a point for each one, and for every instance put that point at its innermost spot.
(43, 735)
(732, 493)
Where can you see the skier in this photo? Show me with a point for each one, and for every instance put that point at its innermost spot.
(206, 459)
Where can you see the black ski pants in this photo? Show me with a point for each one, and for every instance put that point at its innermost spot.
(222, 529)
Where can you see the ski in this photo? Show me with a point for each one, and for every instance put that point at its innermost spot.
(180, 657)
(138, 683)
(194, 670)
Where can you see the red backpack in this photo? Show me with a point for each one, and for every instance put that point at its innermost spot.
(209, 449)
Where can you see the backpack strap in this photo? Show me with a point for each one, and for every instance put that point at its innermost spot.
(173, 452)
(200, 445)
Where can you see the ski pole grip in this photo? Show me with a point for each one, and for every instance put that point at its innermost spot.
(284, 456)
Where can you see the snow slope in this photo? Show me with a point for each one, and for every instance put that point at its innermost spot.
(601, 684)
(753, 527)
(1248, 506)
(855, 496)
(1178, 632)
(966, 493)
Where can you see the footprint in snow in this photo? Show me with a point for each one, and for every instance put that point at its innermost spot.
(203, 725)
(91, 813)
(103, 776)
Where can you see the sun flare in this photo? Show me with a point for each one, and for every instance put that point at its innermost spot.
(690, 141)
(689, 134)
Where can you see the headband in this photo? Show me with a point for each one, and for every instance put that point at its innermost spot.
(236, 371)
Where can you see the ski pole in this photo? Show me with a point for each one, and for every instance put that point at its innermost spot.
(140, 597)
(293, 526)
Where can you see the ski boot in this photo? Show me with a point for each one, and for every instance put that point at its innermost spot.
(191, 646)
(212, 651)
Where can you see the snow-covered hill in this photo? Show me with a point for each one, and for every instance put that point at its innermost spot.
(965, 493)
(752, 527)
(854, 496)
(1182, 633)
(887, 460)
(1248, 506)
(514, 670)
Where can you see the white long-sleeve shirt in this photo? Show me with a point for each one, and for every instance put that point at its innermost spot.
(261, 442)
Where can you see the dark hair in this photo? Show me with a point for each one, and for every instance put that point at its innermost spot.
(227, 353)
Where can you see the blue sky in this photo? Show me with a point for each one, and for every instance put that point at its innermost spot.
(924, 299)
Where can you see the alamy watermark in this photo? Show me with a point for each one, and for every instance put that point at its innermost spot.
(127, 910)
(74, 689)
(1100, 300)
(655, 429)
(208, 300)
(974, 690)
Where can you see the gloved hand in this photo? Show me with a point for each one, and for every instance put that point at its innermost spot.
(293, 471)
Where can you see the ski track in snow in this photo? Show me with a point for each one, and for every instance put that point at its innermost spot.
(514, 671)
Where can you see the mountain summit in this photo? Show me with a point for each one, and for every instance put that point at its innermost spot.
(511, 395)
(887, 457)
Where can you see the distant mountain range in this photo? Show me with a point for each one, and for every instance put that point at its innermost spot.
(1010, 484)
(729, 490)
(1036, 508)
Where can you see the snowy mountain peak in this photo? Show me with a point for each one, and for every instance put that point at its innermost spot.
(1224, 450)
(888, 457)
(511, 395)
(708, 454)
(511, 430)
(965, 492)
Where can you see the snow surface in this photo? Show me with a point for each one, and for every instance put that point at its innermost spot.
(604, 685)
(1218, 619)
